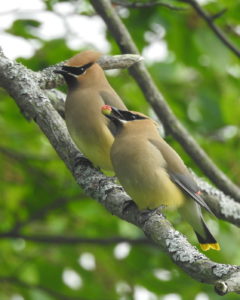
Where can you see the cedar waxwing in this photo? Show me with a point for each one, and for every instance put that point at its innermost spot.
(88, 91)
(152, 173)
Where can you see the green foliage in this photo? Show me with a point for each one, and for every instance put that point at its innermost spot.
(200, 80)
(46, 55)
(24, 28)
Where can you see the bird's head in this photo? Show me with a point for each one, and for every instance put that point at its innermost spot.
(77, 66)
(120, 117)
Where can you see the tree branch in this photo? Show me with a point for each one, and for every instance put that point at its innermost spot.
(55, 294)
(72, 240)
(210, 21)
(218, 14)
(146, 4)
(22, 86)
(156, 99)
(57, 99)
(223, 206)
(47, 79)
(230, 285)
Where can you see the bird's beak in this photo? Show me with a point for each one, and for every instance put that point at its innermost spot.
(111, 113)
(60, 71)
(116, 113)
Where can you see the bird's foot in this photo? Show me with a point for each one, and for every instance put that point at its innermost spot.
(128, 205)
(115, 179)
(81, 160)
(148, 213)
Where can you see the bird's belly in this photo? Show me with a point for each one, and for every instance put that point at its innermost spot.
(150, 192)
(95, 153)
(95, 146)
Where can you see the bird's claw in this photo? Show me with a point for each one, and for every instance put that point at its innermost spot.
(147, 213)
(127, 205)
(81, 160)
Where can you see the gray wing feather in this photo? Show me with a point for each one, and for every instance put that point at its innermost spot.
(112, 98)
(178, 172)
(181, 182)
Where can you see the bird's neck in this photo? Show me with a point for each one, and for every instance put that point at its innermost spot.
(139, 128)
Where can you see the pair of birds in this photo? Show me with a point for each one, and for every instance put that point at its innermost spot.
(113, 138)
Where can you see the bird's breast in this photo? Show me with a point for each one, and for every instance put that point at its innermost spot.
(88, 128)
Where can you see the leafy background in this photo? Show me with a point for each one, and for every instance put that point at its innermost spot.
(198, 76)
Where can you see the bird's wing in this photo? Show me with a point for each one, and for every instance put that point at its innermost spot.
(179, 173)
(111, 98)
(186, 183)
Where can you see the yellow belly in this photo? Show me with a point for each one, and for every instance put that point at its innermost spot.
(97, 153)
(154, 191)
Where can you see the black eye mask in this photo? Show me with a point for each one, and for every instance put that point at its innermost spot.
(77, 70)
(127, 115)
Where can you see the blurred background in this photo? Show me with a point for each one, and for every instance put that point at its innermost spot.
(199, 78)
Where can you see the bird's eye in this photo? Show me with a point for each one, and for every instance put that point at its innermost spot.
(77, 70)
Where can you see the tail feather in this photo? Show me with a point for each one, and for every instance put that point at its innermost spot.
(191, 212)
(207, 241)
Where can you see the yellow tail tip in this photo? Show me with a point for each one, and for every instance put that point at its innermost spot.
(206, 247)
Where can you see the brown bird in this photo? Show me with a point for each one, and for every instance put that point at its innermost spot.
(88, 91)
(152, 173)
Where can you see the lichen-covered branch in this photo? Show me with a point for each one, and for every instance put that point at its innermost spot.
(47, 79)
(232, 284)
(20, 83)
(156, 99)
(57, 99)
(223, 206)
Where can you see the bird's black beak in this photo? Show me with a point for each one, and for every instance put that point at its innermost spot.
(60, 71)
(117, 114)
(71, 79)
(112, 113)
(67, 71)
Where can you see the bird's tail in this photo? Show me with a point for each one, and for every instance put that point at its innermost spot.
(206, 239)
(191, 212)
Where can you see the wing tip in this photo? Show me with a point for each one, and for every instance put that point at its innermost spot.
(214, 246)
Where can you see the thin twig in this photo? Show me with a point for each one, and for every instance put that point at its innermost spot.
(218, 14)
(72, 240)
(146, 4)
(210, 21)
